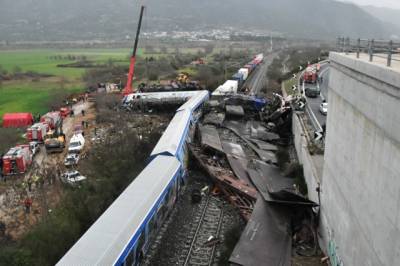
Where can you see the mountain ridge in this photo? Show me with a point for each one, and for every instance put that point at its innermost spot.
(101, 19)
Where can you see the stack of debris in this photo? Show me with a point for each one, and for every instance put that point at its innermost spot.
(237, 147)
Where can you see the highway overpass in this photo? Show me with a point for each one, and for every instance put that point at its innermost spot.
(360, 186)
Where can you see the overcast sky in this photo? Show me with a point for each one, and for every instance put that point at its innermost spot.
(384, 3)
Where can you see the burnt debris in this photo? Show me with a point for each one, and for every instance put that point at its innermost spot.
(236, 144)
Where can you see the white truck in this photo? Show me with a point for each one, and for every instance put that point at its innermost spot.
(244, 72)
(76, 143)
(228, 88)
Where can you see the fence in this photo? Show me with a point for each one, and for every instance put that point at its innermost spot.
(372, 47)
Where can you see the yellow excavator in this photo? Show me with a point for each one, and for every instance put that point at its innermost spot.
(55, 139)
(183, 77)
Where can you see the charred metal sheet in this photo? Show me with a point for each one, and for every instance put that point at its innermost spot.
(264, 145)
(223, 176)
(275, 181)
(266, 156)
(214, 119)
(262, 133)
(210, 138)
(239, 166)
(237, 127)
(266, 239)
(233, 149)
(274, 187)
(234, 110)
(259, 183)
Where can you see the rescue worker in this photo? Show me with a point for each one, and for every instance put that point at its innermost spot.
(2, 229)
(29, 181)
(28, 204)
(1, 167)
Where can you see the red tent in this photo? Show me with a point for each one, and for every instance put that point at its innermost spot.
(17, 120)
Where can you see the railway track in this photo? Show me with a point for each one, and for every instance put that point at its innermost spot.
(198, 249)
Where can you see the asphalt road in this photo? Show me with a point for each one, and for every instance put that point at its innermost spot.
(314, 103)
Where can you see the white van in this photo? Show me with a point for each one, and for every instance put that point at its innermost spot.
(76, 143)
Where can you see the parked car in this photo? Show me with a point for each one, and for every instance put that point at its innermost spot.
(71, 159)
(34, 147)
(72, 177)
(323, 108)
(76, 143)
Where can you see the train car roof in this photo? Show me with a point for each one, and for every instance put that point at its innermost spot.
(107, 238)
(174, 136)
(195, 101)
(161, 95)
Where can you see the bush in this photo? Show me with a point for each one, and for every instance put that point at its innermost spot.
(111, 167)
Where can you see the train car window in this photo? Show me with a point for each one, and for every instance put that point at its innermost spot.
(160, 214)
(130, 259)
(152, 226)
(170, 195)
(139, 248)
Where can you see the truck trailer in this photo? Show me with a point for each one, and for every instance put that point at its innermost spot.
(228, 88)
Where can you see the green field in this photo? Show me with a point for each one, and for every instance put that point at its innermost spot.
(29, 95)
(41, 60)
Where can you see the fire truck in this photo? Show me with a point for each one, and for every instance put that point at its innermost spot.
(17, 160)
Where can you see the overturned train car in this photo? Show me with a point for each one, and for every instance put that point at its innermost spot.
(123, 233)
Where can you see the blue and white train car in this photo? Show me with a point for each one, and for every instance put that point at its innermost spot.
(195, 102)
(172, 142)
(121, 236)
(178, 133)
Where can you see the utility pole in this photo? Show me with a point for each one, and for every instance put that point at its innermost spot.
(272, 44)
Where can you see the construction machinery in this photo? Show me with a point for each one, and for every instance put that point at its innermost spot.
(128, 89)
(183, 77)
(55, 139)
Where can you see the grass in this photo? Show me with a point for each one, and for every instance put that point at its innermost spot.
(41, 60)
(23, 96)
(288, 86)
(32, 96)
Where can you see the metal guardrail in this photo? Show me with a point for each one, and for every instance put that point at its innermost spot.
(374, 48)
(314, 121)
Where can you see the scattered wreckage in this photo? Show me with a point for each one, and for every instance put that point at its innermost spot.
(236, 144)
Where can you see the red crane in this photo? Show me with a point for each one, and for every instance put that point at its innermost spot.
(128, 89)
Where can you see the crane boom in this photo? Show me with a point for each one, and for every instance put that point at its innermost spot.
(128, 88)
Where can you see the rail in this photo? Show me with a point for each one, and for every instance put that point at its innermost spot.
(374, 48)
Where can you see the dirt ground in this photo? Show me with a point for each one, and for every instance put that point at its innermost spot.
(46, 190)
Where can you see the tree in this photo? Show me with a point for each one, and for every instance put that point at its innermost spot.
(150, 49)
(17, 70)
(209, 48)
(163, 50)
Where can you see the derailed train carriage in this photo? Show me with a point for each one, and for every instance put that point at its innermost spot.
(123, 233)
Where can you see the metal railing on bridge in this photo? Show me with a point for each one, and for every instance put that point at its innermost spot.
(386, 49)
